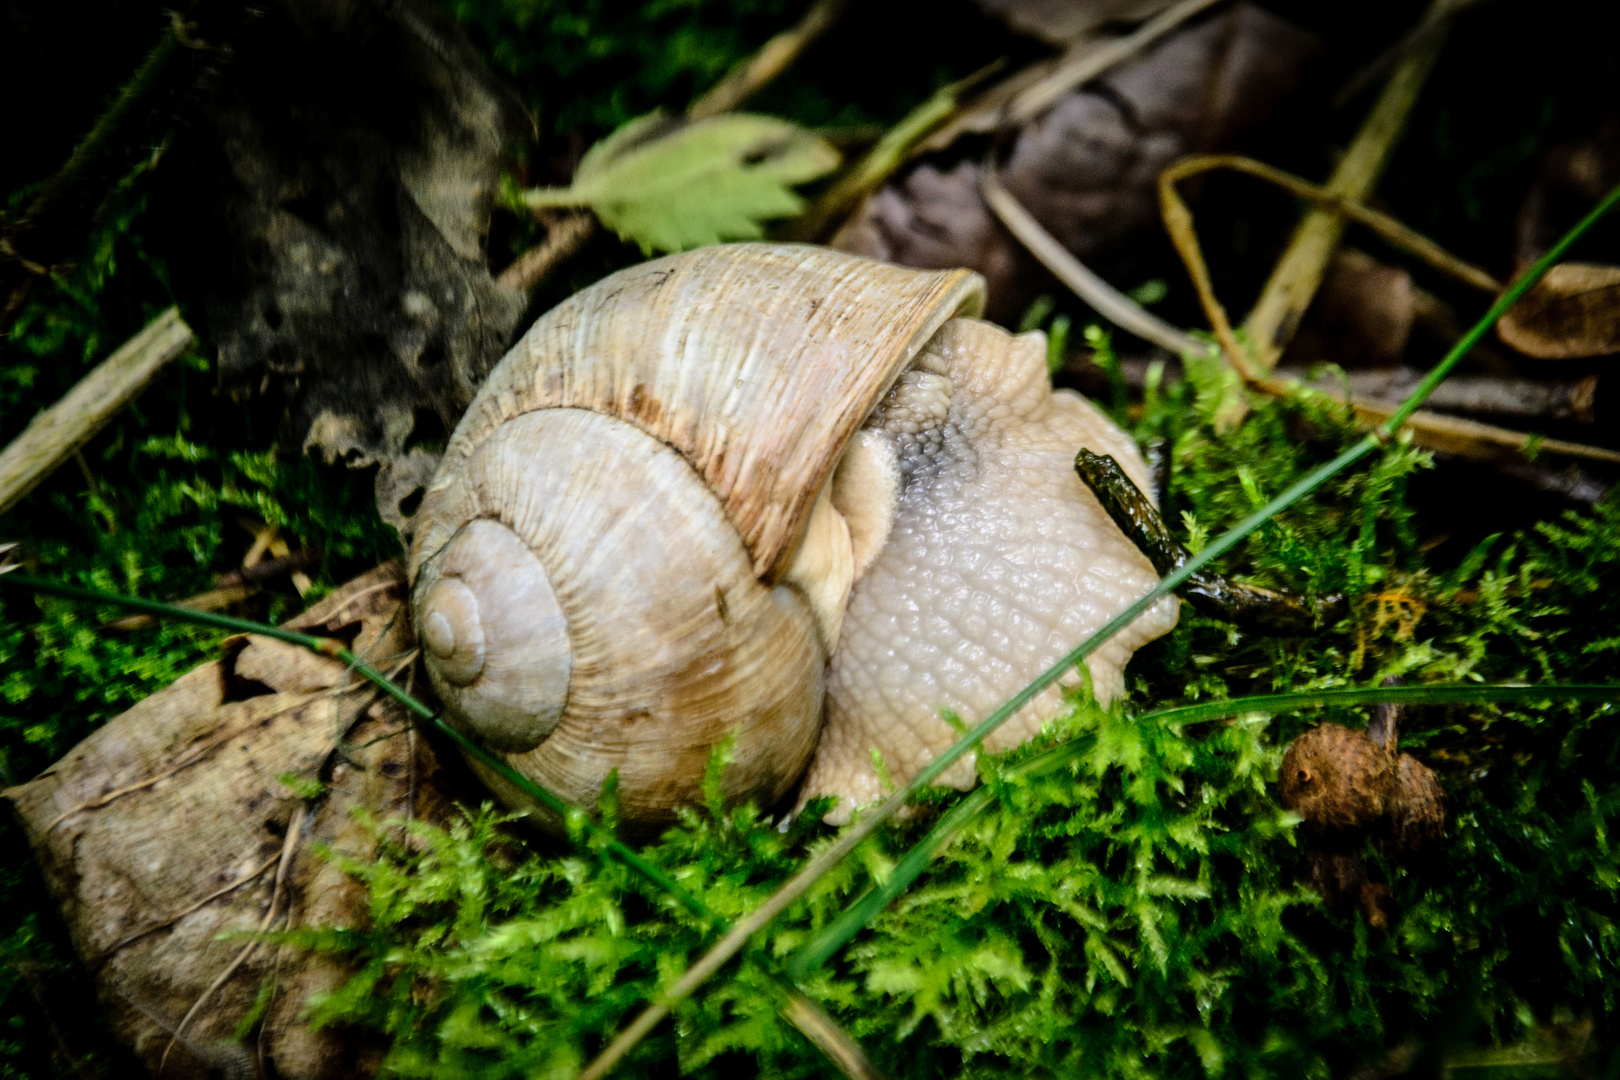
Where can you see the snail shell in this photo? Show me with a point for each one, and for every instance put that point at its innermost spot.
(629, 551)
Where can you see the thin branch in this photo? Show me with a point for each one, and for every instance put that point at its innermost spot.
(880, 162)
(1106, 300)
(1298, 274)
(1391, 229)
(568, 232)
(53, 436)
(773, 58)
(566, 235)
(1090, 62)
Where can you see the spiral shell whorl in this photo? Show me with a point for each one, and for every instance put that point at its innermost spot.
(495, 641)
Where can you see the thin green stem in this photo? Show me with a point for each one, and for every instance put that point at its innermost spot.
(859, 914)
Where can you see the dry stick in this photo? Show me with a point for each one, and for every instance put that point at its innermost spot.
(880, 162)
(1391, 229)
(294, 828)
(566, 235)
(1433, 22)
(1472, 439)
(1297, 275)
(852, 837)
(53, 435)
(773, 58)
(1093, 62)
(917, 130)
(1464, 438)
(1452, 435)
(1108, 301)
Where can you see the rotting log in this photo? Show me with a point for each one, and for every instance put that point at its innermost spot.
(164, 836)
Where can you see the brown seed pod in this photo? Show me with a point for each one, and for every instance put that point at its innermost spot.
(1417, 815)
(1349, 784)
(1338, 780)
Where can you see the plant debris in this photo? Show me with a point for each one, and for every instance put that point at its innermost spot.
(1086, 169)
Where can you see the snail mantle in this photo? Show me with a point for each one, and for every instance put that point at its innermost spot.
(770, 491)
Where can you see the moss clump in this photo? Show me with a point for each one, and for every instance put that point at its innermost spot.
(1145, 911)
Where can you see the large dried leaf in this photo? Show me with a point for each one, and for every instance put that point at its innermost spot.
(1086, 169)
(704, 183)
(166, 828)
(1572, 312)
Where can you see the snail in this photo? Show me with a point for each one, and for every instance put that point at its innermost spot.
(772, 492)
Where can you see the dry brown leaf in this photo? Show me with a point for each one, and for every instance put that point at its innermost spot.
(1572, 312)
(1086, 168)
(142, 830)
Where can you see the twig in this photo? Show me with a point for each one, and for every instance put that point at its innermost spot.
(1093, 62)
(53, 435)
(1295, 278)
(1178, 222)
(1433, 21)
(1256, 610)
(1106, 300)
(880, 162)
(1391, 229)
(851, 837)
(566, 234)
(1472, 439)
(773, 58)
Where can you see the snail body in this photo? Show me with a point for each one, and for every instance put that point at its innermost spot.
(675, 505)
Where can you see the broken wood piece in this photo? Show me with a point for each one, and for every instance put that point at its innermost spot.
(1456, 436)
(199, 813)
(53, 436)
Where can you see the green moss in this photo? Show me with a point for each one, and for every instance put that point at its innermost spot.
(1140, 914)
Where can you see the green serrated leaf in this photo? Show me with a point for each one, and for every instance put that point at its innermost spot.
(709, 182)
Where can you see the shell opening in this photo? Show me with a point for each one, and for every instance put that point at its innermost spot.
(497, 644)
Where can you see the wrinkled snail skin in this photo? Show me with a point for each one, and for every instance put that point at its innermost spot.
(750, 488)
(998, 559)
